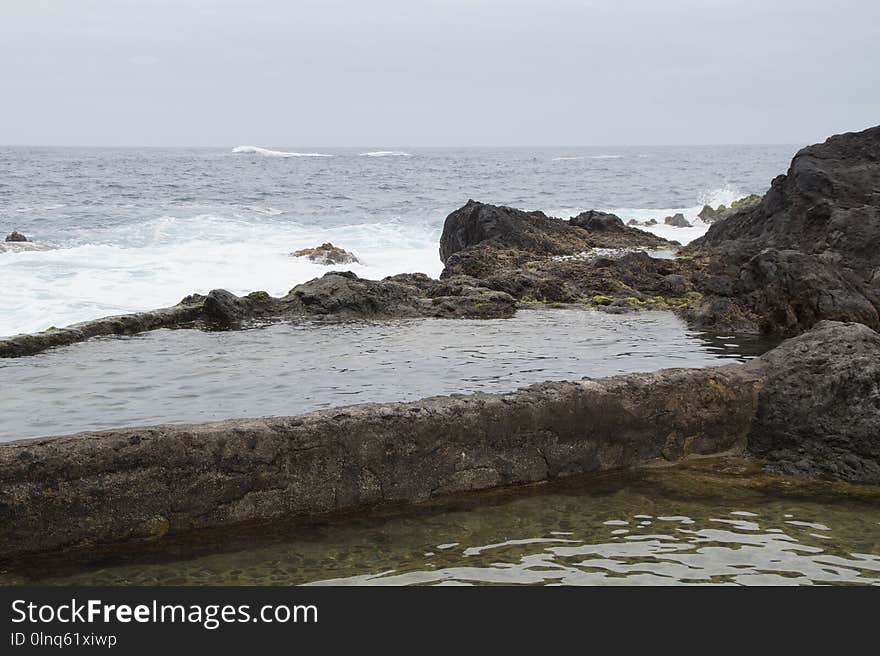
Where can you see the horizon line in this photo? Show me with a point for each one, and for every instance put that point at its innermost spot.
(398, 146)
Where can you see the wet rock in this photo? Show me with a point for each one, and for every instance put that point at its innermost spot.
(819, 407)
(650, 222)
(327, 254)
(677, 220)
(187, 313)
(343, 295)
(15, 236)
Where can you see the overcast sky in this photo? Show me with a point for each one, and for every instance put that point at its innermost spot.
(436, 72)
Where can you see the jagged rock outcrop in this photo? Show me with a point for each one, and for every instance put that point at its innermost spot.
(819, 407)
(828, 204)
(533, 257)
(808, 250)
(16, 236)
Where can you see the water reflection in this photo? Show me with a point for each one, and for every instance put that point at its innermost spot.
(193, 376)
(659, 528)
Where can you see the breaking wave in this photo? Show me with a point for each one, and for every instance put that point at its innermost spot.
(385, 153)
(265, 152)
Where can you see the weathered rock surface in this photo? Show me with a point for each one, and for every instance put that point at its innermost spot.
(327, 254)
(533, 257)
(808, 250)
(828, 204)
(819, 408)
(16, 236)
(118, 485)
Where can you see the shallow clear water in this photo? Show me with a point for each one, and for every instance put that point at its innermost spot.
(654, 527)
(194, 376)
(134, 229)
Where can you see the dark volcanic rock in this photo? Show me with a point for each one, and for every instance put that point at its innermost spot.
(596, 221)
(506, 227)
(327, 254)
(677, 220)
(819, 408)
(337, 295)
(791, 291)
(807, 251)
(344, 295)
(827, 204)
(533, 257)
(15, 236)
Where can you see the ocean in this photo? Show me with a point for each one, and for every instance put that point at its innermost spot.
(122, 230)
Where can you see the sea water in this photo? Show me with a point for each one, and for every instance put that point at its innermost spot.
(122, 230)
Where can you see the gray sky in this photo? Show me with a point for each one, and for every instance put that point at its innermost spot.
(436, 72)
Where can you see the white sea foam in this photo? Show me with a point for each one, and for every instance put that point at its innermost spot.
(155, 263)
(385, 153)
(256, 150)
(148, 264)
(714, 197)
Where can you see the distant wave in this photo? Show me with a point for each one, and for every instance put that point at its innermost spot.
(256, 150)
(385, 153)
(575, 157)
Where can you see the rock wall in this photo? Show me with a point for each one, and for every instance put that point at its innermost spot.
(119, 485)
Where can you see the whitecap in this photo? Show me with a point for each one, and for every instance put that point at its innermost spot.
(256, 150)
(385, 153)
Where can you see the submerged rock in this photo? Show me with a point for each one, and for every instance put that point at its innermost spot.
(15, 236)
(327, 254)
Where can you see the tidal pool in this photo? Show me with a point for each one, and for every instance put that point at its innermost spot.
(682, 525)
(195, 376)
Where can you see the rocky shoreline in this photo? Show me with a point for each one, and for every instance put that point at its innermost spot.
(803, 259)
(135, 483)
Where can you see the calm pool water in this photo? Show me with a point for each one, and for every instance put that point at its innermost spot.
(194, 376)
(670, 526)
